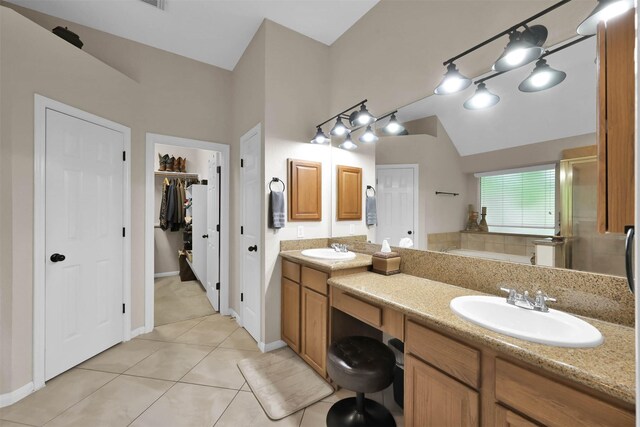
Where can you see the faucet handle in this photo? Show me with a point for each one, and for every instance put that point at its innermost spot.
(540, 303)
(511, 298)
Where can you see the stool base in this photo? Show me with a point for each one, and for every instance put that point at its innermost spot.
(344, 413)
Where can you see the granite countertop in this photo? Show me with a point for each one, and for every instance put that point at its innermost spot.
(608, 368)
(361, 260)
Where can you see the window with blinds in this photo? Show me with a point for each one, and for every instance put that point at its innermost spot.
(520, 201)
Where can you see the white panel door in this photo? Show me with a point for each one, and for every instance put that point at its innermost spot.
(251, 188)
(213, 235)
(395, 204)
(199, 232)
(84, 241)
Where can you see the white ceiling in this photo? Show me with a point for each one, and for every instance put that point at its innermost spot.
(520, 118)
(212, 31)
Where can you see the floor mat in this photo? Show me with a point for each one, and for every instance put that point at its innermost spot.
(283, 383)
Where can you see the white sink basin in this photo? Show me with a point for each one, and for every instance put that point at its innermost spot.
(554, 327)
(328, 254)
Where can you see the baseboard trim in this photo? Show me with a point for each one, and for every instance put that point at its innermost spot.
(274, 345)
(166, 274)
(233, 314)
(138, 331)
(12, 397)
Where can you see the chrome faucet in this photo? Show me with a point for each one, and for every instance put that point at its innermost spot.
(525, 301)
(540, 303)
(339, 247)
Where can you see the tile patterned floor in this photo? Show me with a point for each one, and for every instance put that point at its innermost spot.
(181, 374)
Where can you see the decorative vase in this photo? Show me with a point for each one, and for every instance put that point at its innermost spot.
(483, 221)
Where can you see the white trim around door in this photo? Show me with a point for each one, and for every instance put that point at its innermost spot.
(149, 290)
(41, 105)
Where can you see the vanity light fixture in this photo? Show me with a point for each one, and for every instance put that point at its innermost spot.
(605, 10)
(542, 77)
(348, 143)
(362, 117)
(481, 99)
(394, 127)
(368, 136)
(320, 137)
(339, 128)
(453, 81)
(523, 48)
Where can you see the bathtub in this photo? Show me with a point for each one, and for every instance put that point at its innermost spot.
(521, 259)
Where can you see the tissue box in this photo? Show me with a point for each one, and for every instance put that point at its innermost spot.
(386, 263)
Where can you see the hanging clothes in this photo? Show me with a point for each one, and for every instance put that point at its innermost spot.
(163, 205)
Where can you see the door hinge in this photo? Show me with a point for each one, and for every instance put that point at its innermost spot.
(123, 232)
(241, 163)
(124, 156)
(218, 228)
(241, 229)
(219, 169)
(218, 286)
(123, 310)
(241, 297)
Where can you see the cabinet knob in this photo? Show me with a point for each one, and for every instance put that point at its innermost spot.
(253, 248)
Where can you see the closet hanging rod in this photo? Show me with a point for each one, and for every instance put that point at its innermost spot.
(178, 174)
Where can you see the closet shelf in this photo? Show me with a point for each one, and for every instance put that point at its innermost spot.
(178, 174)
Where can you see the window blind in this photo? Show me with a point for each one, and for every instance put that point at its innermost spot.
(524, 199)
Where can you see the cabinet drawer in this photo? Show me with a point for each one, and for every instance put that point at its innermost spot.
(356, 307)
(291, 270)
(314, 279)
(507, 418)
(454, 358)
(552, 403)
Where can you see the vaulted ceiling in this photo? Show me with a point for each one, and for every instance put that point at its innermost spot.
(212, 31)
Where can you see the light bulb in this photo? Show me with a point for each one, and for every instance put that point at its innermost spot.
(515, 57)
(614, 9)
(368, 136)
(541, 79)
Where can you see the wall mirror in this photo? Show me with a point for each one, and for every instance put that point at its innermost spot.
(508, 158)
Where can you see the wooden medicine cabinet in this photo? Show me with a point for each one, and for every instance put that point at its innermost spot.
(349, 193)
(305, 190)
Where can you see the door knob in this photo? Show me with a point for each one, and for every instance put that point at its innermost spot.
(410, 232)
(57, 257)
(253, 248)
(205, 236)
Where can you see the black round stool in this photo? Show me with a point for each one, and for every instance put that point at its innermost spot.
(364, 365)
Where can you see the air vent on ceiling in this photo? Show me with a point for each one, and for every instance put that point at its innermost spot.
(155, 3)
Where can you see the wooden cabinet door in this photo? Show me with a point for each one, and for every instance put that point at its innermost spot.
(305, 190)
(314, 330)
(616, 123)
(349, 193)
(291, 314)
(507, 418)
(434, 399)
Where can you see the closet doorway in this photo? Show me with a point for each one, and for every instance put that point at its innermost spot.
(186, 229)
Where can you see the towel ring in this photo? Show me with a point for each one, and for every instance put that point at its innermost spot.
(370, 188)
(275, 179)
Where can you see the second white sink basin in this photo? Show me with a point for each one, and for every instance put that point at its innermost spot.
(554, 327)
(328, 254)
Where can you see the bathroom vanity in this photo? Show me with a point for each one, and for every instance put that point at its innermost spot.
(456, 371)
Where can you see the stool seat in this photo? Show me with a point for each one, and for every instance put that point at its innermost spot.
(363, 365)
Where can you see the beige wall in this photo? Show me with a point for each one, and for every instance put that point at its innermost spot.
(34, 61)
(439, 170)
(297, 85)
(248, 110)
(151, 96)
